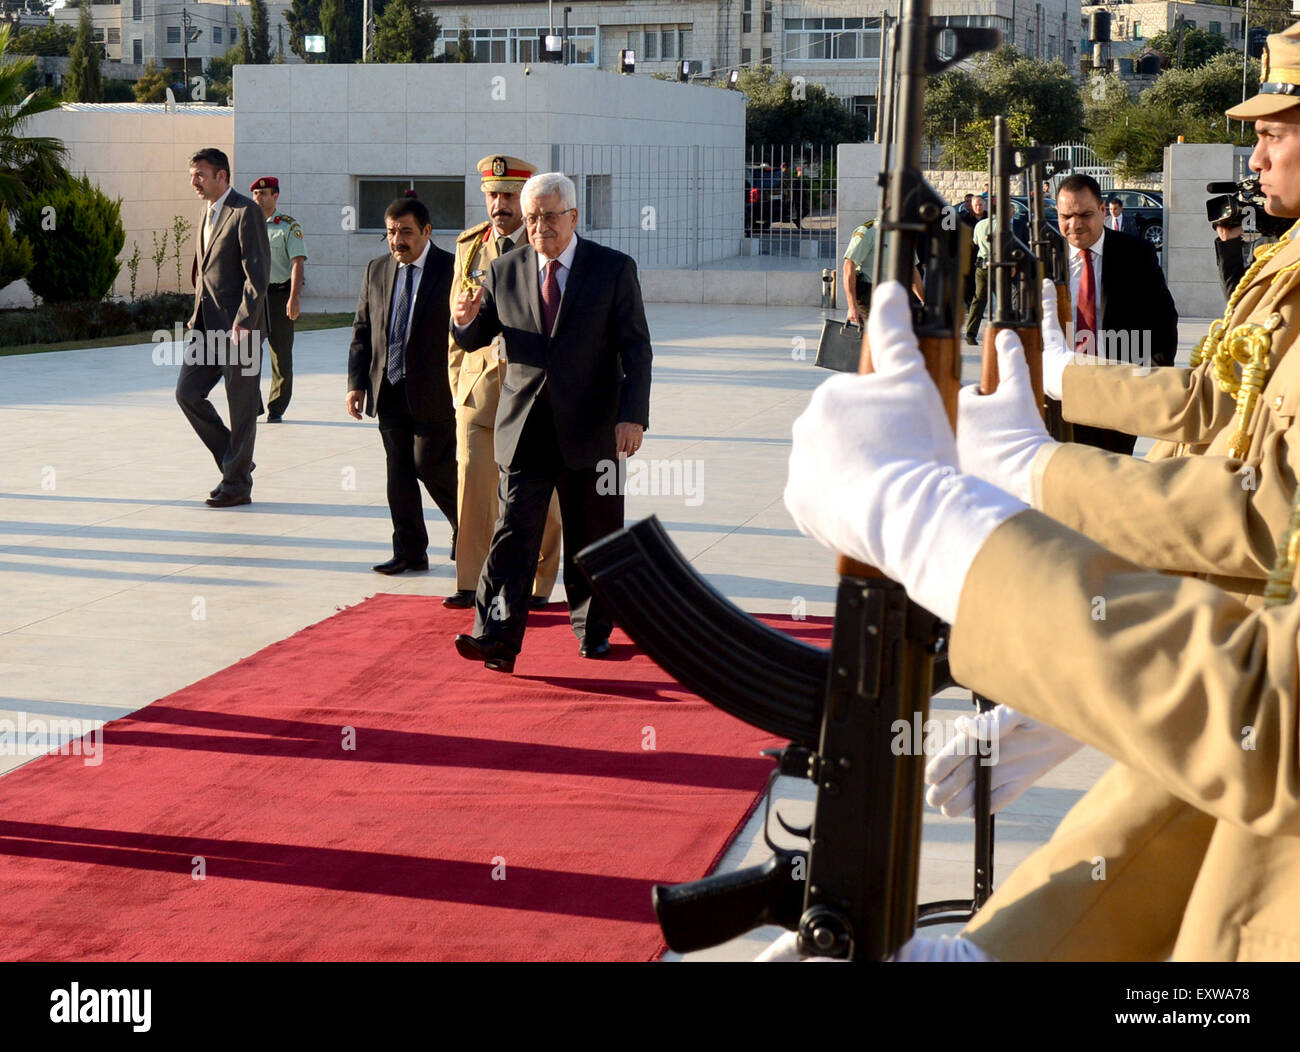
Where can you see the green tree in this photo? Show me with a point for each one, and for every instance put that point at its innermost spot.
(152, 87)
(15, 253)
(776, 113)
(303, 19)
(1040, 99)
(245, 44)
(404, 32)
(84, 82)
(336, 24)
(1199, 46)
(220, 74)
(28, 164)
(48, 39)
(464, 46)
(76, 233)
(259, 37)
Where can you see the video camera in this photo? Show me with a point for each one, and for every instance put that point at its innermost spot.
(1241, 204)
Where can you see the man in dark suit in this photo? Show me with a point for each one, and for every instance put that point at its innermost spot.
(232, 266)
(1122, 307)
(397, 366)
(1117, 220)
(575, 398)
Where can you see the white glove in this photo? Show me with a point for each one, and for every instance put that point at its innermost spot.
(917, 949)
(1000, 434)
(872, 469)
(1021, 750)
(1056, 356)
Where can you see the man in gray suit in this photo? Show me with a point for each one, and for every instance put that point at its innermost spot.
(232, 266)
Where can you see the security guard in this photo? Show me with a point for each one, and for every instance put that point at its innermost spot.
(859, 263)
(476, 376)
(283, 294)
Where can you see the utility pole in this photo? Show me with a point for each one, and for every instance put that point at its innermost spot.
(564, 40)
(185, 51)
(366, 35)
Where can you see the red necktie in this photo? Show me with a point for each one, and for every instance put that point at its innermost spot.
(1085, 318)
(551, 295)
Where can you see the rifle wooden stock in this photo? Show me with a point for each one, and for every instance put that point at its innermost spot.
(943, 363)
(1031, 339)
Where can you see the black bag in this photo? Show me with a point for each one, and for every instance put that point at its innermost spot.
(840, 347)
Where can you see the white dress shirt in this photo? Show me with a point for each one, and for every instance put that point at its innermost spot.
(399, 281)
(565, 259)
(212, 216)
(1076, 274)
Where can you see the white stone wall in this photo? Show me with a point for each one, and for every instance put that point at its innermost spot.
(1189, 258)
(143, 158)
(319, 127)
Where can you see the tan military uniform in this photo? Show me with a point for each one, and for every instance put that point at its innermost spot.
(1190, 846)
(1205, 515)
(476, 389)
(1202, 514)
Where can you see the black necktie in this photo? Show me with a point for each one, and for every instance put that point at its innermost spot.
(504, 245)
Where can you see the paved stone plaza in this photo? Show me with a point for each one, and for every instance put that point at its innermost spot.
(120, 586)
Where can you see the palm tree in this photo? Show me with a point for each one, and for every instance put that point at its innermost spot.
(28, 164)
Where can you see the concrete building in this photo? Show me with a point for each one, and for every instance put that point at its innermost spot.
(1133, 25)
(143, 31)
(835, 44)
(659, 167)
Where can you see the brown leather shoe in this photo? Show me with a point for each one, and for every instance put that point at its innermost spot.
(227, 500)
(462, 599)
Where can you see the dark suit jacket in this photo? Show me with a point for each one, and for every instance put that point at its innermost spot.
(427, 391)
(1127, 224)
(1134, 296)
(595, 363)
(230, 277)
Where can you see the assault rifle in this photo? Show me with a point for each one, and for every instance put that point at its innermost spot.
(852, 892)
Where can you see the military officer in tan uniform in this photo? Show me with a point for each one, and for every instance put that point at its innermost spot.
(1194, 693)
(476, 376)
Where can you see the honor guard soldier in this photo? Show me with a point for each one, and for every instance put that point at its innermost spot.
(476, 375)
(288, 254)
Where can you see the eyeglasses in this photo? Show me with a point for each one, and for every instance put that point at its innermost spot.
(547, 217)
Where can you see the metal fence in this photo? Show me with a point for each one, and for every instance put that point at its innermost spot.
(1083, 159)
(665, 206)
(790, 201)
(687, 206)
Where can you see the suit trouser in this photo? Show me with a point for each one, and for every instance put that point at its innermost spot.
(587, 514)
(231, 447)
(416, 452)
(279, 335)
(477, 506)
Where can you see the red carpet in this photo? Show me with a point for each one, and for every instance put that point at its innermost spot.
(387, 850)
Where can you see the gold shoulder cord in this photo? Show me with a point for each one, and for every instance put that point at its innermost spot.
(467, 283)
(1246, 346)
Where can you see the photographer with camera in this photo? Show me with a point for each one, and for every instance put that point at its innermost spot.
(1240, 206)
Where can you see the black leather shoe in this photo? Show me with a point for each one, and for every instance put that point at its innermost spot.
(462, 599)
(494, 654)
(227, 500)
(274, 418)
(215, 491)
(595, 649)
(538, 602)
(399, 565)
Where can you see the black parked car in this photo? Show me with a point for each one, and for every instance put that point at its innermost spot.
(1147, 207)
(773, 196)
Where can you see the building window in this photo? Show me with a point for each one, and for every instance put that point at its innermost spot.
(746, 56)
(599, 210)
(837, 39)
(137, 10)
(651, 46)
(634, 42)
(747, 17)
(97, 35)
(683, 43)
(443, 196)
(1137, 30)
(767, 16)
(114, 35)
(173, 34)
(668, 44)
(1216, 29)
(767, 56)
(137, 51)
(216, 34)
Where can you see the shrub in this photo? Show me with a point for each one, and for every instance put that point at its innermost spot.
(15, 253)
(76, 233)
(56, 322)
